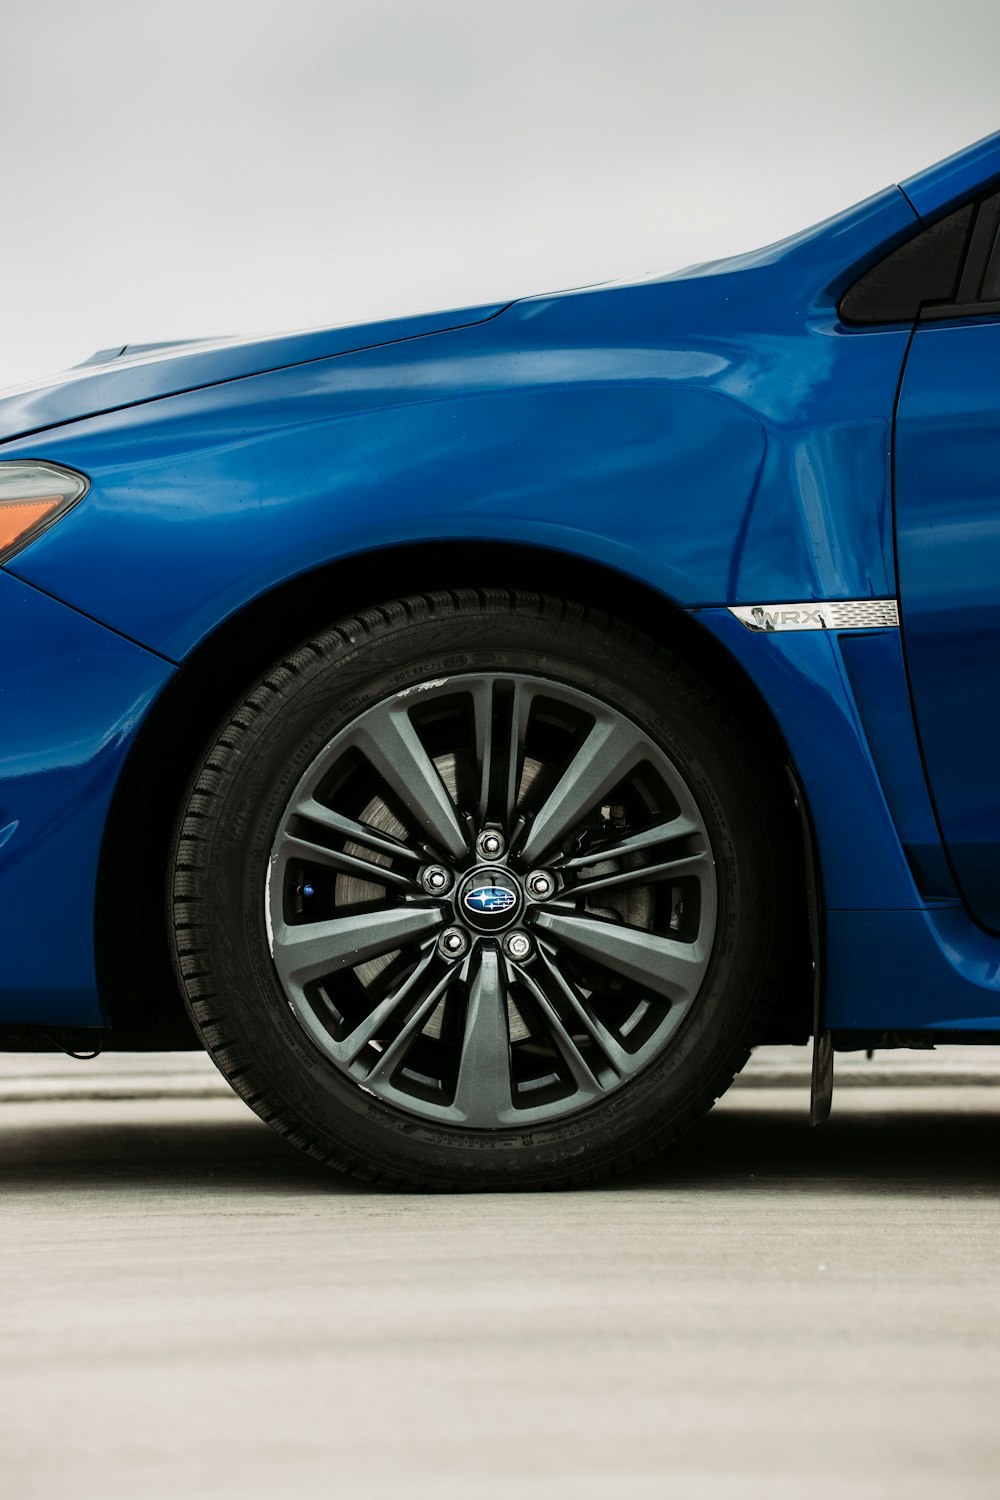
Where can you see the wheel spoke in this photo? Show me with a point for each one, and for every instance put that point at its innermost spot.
(391, 745)
(315, 949)
(390, 1059)
(359, 833)
(483, 1090)
(293, 848)
(668, 869)
(663, 965)
(637, 843)
(614, 1052)
(500, 708)
(583, 1075)
(611, 749)
(354, 1043)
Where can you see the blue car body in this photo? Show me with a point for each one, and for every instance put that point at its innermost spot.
(720, 439)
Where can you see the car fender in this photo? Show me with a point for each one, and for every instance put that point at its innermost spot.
(725, 468)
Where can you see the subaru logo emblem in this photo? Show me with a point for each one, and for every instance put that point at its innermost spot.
(490, 898)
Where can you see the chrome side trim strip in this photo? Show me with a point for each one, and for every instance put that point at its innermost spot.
(839, 614)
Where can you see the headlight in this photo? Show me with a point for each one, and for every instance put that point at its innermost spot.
(32, 496)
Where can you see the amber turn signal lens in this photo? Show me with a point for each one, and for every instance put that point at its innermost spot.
(32, 496)
(18, 516)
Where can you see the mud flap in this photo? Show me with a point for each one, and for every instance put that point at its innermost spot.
(821, 1097)
(821, 1093)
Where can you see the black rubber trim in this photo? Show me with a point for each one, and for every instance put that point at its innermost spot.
(940, 311)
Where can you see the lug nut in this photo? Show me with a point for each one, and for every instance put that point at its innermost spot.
(540, 884)
(490, 845)
(436, 880)
(517, 945)
(453, 943)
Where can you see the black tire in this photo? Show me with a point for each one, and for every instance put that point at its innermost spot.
(460, 658)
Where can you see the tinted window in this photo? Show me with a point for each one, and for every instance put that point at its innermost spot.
(991, 280)
(923, 270)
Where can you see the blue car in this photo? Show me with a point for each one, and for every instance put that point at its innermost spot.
(479, 731)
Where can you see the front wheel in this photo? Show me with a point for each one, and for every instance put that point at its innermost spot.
(477, 890)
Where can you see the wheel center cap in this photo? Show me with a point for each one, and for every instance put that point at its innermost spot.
(489, 899)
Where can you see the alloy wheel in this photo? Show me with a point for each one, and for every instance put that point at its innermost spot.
(491, 900)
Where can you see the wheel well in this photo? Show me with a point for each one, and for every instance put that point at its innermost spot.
(135, 977)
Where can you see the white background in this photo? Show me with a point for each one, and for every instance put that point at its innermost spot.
(224, 166)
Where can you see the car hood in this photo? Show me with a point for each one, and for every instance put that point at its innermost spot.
(784, 280)
(128, 374)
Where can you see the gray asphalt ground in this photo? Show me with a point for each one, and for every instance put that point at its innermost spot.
(193, 1309)
(38, 1077)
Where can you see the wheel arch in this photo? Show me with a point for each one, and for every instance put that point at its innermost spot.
(139, 993)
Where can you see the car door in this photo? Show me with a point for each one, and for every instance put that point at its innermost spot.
(947, 496)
